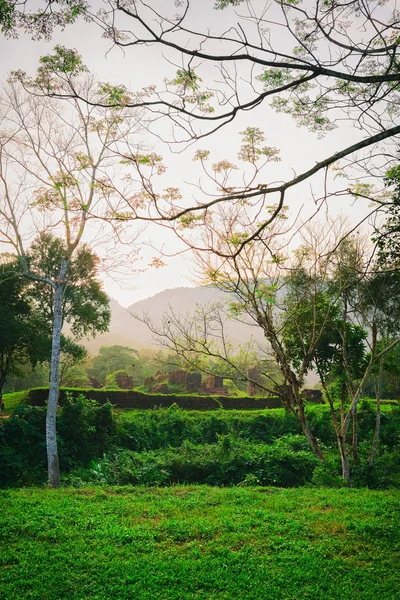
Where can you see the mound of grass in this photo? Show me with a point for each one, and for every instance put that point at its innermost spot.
(188, 543)
(12, 401)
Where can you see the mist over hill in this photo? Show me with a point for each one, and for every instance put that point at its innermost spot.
(126, 330)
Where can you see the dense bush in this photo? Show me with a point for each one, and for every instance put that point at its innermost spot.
(23, 447)
(85, 429)
(230, 461)
(145, 430)
(85, 432)
(171, 445)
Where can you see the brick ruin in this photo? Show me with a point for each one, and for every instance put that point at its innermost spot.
(193, 383)
(190, 383)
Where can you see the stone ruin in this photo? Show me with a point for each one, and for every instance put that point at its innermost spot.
(190, 382)
(177, 377)
(313, 396)
(124, 381)
(214, 385)
(193, 382)
(252, 388)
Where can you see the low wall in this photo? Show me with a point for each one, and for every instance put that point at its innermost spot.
(133, 399)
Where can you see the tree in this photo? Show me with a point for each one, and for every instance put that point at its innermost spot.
(55, 165)
(20, 336)
(26, 310)
(85, 306)
(361, 330)
(254, 278)
(325, 308)
(387, 234)
(111, 359)
(324, 64)
(200, 342)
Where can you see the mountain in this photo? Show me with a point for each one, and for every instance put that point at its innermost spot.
(125, 330)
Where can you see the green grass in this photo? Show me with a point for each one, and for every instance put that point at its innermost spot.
(11, 401)
(187, 543)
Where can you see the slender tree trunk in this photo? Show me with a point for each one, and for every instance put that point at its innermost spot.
(378, 390)
(354, 443)
(301, 417)
(312, 440)
(51, 416)
(344, 457)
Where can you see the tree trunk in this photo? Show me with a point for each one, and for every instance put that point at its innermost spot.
(354, 444)
(312, 440)
(310, 437)
(344, 457)
(51, 432)
(378, 388)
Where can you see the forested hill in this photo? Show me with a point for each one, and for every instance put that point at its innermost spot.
(125, 330)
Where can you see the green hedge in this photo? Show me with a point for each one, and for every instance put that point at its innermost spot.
(134, 399)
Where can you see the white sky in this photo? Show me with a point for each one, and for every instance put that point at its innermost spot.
(143, 66)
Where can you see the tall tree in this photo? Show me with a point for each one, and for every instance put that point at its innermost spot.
(56, 162)
(362, 328)
(324, 308)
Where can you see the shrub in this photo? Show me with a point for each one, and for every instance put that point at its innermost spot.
(85, 431)
(228, 462)
(23, 447)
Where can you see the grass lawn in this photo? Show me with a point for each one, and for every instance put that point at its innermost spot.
(186, 543)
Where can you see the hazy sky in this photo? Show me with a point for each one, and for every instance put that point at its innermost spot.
(143, 66)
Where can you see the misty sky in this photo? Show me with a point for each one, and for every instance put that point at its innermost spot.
(144, 66)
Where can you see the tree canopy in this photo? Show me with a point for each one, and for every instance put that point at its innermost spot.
(325, 64)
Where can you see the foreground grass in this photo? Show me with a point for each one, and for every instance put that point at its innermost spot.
(199, 542)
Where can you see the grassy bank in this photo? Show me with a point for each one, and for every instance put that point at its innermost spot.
(199, 542)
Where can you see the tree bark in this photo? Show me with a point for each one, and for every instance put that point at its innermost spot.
(310, 437)
(354, 443)
(378, 389)
(51, 416)
(344, 457)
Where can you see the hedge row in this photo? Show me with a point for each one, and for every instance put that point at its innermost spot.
(140, 400)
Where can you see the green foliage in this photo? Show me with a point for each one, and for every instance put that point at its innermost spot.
(387, 235)
(85, 429)
(23, 447)
(229, 461)
(7, 15)
(23, 338)
(192, 542)
(85, 432)
(221, 4)
(40, 22)
(314, 327)
(111, 359)
(169, 446)
(12, 401)
(251, 150)
(75, 377)
(111, 379)
(86, 307)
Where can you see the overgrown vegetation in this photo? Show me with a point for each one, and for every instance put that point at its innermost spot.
(173, 446)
